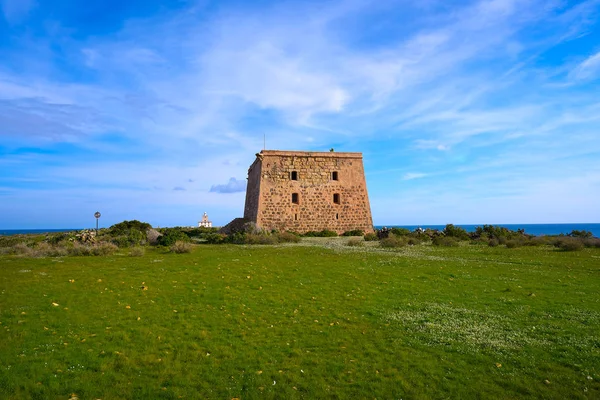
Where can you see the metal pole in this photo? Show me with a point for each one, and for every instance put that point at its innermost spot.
(97, 215)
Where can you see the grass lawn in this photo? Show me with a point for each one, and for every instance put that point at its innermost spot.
(311, 320)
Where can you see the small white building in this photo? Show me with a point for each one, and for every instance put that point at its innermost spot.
(205, 223)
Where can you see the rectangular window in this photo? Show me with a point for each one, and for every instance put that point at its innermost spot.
(295, 217)
(295, 199)
(294, 175)
(334, 176)
(336, 198)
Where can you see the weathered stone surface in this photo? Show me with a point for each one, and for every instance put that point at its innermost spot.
(317, 199)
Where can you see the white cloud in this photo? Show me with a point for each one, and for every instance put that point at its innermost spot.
(413, 175)
(587, 69)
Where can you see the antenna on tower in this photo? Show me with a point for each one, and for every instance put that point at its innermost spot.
(264, 141)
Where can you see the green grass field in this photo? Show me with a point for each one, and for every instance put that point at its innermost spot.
(312, 320)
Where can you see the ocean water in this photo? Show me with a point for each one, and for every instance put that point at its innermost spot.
(532, 229)
(8, 232)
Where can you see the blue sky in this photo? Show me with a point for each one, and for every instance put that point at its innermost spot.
(465, 111)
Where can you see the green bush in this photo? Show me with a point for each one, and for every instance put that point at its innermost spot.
(103, 249)
(445, 241)
(411, 241)
(496, 232)
(456, 232)
(581, 234)
(355, 242)
(215, 238)
(181, 247)
(370, 237)
(399, 231)
(170, 236)
(593, 242)
(513, 243)
(569, 244)
(288, 237)
(494, 242)
(323, 233)
(199, 232)
(130, 238)
(355, 232)
(56, 238)
(123, 228)
(253, 238)
(137, 251)
(392, 241)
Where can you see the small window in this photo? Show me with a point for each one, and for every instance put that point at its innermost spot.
(334, 176)
(337, 216)
(294, 175)
(295, 198)
(295, 217)
(336, 198)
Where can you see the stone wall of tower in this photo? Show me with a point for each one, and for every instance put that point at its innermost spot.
(308, 191)
(253, 190)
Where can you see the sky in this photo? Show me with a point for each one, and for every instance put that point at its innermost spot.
(466, 112)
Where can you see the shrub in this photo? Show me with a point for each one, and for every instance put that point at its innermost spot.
(21, 249)
(513, 243)
(47, 250)
(56, 238)
(455, 231)
(288, 237)
(181, 246)
(254, 238)
(215, 238)
(496, 232)
(199, 232)
(323, 233)
(370, 237)
(355, 242)
(538, 241)
(413, 241)
(494, 242)
(445, 241)
(137, 251)
(392, 241)
(103, 249)
(593, 242)
(399, 231)
(172, 235)
(123, 228)
(569, 244)
(355, 232)
(581, 234)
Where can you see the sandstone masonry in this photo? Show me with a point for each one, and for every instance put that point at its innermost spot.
(308, 191)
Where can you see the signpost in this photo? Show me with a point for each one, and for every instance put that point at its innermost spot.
(97, 215)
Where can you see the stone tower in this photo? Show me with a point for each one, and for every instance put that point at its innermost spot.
(308, 191)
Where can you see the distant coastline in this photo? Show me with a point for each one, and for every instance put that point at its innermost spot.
(9, 232)
(531, 229)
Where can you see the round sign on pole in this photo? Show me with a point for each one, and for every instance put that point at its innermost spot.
(97, 215)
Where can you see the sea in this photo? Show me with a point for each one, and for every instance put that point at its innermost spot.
(532, 229)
